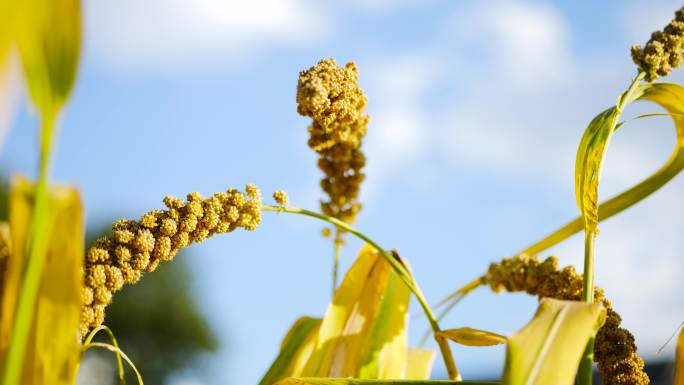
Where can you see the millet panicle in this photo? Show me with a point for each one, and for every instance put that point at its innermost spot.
(331, 96)
(615, 350)
(135, 247)
(663, 52)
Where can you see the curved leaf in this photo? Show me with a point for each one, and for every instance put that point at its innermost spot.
(548, 350)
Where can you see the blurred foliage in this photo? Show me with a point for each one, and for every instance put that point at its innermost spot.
(4, 197)
(158, 322)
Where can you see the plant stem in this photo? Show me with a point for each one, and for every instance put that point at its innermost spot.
(398, 267)
(336, 260)
(37, 245)
(585, 373)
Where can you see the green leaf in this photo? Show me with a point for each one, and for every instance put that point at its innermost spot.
(473, 337)
(549, 348)
(352, 381)
(592, 151)
(295, 350)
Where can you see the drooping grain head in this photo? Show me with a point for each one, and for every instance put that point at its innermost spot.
(136, 247)
(615, 349)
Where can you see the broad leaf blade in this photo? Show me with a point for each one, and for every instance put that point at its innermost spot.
(549, 348)
(473, 337)
(386, 352)
(295, 350)
(53, 349)
(346, 324)
(589, 162)
(363, 333)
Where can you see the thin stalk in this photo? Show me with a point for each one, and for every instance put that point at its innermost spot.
(89, 339)
(585, 373)
(398, 268)
(336, 260)
(38, 234)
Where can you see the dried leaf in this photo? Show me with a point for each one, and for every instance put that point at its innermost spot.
(473, 337)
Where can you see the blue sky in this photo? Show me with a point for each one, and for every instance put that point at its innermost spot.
(477, 108)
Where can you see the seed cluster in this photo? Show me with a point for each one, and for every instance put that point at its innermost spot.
(664, 51)
(139, 246)
(615, 350)
(331, 97)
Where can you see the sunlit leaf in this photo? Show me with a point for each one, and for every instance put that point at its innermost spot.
(592, 151)
(387, 350)
(549, 348)
(53, 347)
(352, 381)
(679, 360)
(473, 337)
(295, 350)
(48, 34)
(363, 333)
(419, 364)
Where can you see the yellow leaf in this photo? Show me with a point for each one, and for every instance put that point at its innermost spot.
(344, 343)
(295, 350)
(473, 337)
(386, 351)
(53, 346)
(548, 350)
(48, 34)
(419, 364)
(679, 360)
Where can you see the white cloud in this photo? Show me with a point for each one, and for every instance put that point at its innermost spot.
(399, 129)
(530, 41)
(163, 33)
